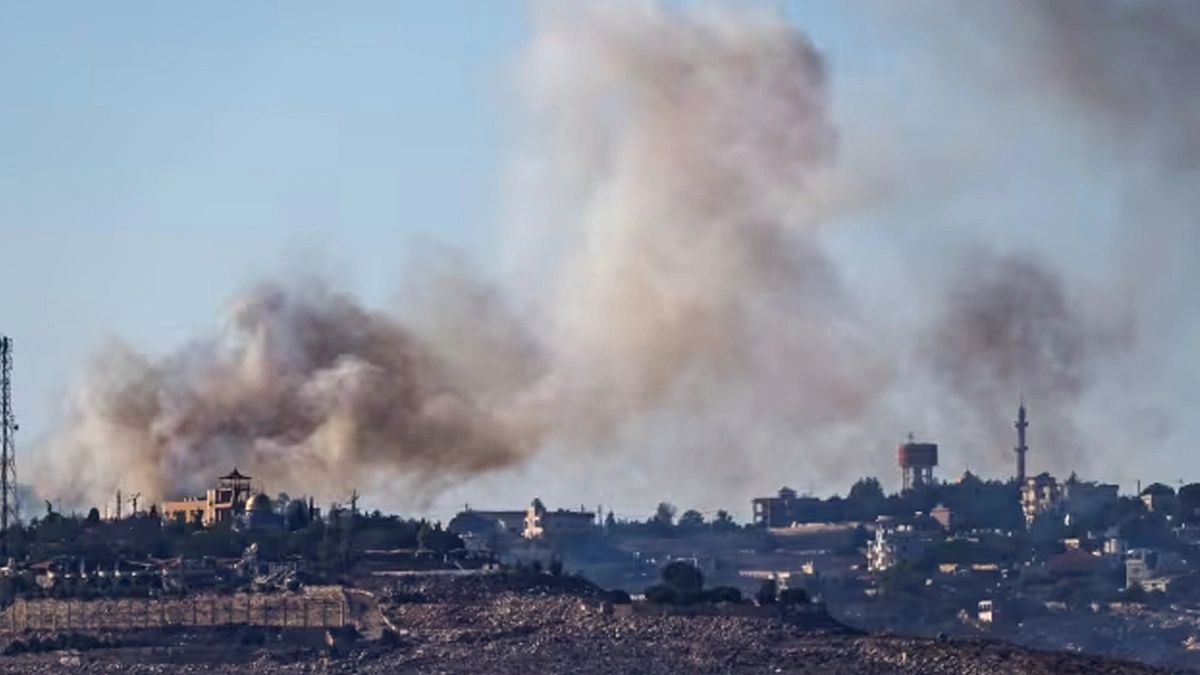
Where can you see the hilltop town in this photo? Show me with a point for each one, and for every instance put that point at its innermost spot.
(1057, 564)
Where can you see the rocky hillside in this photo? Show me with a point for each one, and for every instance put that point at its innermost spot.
(500, 626)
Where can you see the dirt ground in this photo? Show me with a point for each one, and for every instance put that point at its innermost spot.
(445, 627)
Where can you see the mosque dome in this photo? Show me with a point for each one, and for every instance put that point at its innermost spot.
(258, 502)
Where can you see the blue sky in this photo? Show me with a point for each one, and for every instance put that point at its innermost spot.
(158, 157)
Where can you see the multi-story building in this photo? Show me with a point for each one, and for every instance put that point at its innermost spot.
(541, 523)
(1040, 494)
(898, 542)
(1145, 565)
(488, 522)
(221, 504)
(1088, 500)
(1160, 498)
(1078, 499)
(789, 508)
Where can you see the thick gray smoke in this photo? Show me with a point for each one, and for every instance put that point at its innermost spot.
(303, 389)
(701, 154)
(1105, 92)
(676, 301)
(1005, 326)
(689, 288)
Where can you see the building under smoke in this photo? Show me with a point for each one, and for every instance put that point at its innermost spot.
(788, 508)
(232, 498)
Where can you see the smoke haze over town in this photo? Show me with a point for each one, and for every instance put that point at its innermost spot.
(725, 263)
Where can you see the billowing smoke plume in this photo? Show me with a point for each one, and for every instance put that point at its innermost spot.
(304, 389)
(1099, 343)
(1008, 326)
(702, 155)
(677, 302)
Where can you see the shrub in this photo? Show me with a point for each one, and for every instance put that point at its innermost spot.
(253, 637)
(793, 596)
(618, 597)
(725, 594)
(767, 592)
(683, 576)
(662, 594)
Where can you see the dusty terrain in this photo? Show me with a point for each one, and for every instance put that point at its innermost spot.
(503, 626)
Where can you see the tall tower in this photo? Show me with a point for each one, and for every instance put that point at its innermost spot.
(916, 461)
(8, 429)
(1021, 424)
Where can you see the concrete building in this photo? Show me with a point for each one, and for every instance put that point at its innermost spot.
(898, 542)
(789, 508)
(541, 523)
(1075, 498)
(1160, 498)
(1088, 500)
(488, 522)
(987, 611)
(943, 516)
(1143, 566)
(221, 504)
(1040, 494)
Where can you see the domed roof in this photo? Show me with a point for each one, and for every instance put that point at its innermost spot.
(258, 502)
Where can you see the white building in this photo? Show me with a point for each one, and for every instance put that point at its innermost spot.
(1075, 498)
(897, 543)
(1143, 566)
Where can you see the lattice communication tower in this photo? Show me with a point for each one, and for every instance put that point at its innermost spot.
(8, 460)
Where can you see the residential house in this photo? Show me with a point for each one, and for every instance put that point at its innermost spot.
(788, 508)
(1160, 498)
(561, 524)
(900, 541)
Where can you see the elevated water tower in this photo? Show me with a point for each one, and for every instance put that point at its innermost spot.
(916, 462)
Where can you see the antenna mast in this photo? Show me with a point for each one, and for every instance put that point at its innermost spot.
(8, 460)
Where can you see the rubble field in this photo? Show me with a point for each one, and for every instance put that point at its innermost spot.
(504, 625)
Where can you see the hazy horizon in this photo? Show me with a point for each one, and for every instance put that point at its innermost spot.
(161, 163)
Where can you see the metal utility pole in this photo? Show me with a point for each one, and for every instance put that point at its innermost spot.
(133, 500)
(118, 505)
(8, 460)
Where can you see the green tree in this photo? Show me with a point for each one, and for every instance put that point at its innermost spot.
(867, 489)
(1189, 503)
(793, 596)
(768, 592)
(866, 499)
(724, 521)
(683, 576)
(691, 519)
(664, 514)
